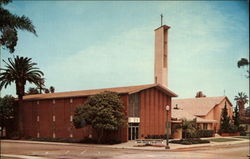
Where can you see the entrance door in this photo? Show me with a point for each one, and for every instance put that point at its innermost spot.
(133, 131)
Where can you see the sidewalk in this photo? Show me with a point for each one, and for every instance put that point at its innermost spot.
(131, 144)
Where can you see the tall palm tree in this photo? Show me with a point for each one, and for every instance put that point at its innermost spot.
(20, 70)
(9, 24)
(241, 100)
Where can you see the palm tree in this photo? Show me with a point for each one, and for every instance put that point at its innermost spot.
(52, 89)
(32, 90)
(41, 85)
(20, 71)
(9, 24)
(241, 100)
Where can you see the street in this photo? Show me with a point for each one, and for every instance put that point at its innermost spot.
(67, 151)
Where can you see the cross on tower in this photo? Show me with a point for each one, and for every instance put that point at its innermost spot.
(161, 19)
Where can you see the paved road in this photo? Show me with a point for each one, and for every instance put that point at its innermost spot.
(236, 151)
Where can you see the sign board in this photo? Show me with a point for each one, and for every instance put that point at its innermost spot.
(134, 120)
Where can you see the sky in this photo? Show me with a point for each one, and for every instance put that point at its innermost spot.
(89, 45)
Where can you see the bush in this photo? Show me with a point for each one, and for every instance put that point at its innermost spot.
(242, 131)
(232, 129)
(48, 139)
(190, 141)
(205, 133)
(158, 136)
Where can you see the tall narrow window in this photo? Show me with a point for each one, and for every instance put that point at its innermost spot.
(54, 135)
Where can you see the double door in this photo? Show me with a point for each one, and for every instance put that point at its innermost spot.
(133, 131)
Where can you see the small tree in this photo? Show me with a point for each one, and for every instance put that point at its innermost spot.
(189, 128)
(225, 120)
(104, 112)
(236, 117)
(7, 104)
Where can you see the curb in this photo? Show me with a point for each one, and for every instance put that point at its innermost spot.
(179, 147)
(23, 156)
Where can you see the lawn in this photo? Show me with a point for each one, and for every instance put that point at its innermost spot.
(243, 137)
(223, 139)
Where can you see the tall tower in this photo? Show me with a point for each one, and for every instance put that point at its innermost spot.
(161, 55)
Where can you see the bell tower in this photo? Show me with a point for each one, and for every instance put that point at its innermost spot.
(161, 55)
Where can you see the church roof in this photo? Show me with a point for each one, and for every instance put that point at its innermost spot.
(198, 106)
(120, 90)
(179, 114)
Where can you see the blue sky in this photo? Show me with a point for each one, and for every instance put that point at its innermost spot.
(88, 45)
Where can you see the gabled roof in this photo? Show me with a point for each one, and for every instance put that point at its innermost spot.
(198, 106)
(120, 90)
(180, 114)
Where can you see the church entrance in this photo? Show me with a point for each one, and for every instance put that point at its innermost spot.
(133, 131)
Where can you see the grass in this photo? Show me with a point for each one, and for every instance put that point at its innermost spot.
(223, 139)
(243, 137)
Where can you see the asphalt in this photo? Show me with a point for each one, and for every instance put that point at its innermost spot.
(134, 145)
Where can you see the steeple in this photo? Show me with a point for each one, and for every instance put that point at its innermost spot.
(161, 55)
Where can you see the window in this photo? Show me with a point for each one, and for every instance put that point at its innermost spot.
(54, 135)
(205, 126)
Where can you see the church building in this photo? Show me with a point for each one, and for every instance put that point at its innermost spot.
(51, 115)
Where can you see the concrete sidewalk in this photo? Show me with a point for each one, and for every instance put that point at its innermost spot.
(132, 144)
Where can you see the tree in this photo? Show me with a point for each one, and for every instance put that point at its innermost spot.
(242, 63)
(9, 24)
(52, 89)
(236, 117)
(20, 71)
(7, 105)
(32, 90)
(241, 100)
(41, 85)
(104, 112)
(189, 127)
(225, 120)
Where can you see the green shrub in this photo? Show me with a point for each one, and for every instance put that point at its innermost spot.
(48, 139)
(242, 131)
(158, 136)
(190, 141)
(232, 129)
(205, 133)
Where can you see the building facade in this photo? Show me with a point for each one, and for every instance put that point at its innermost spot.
(207, 110)
(51, 115)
